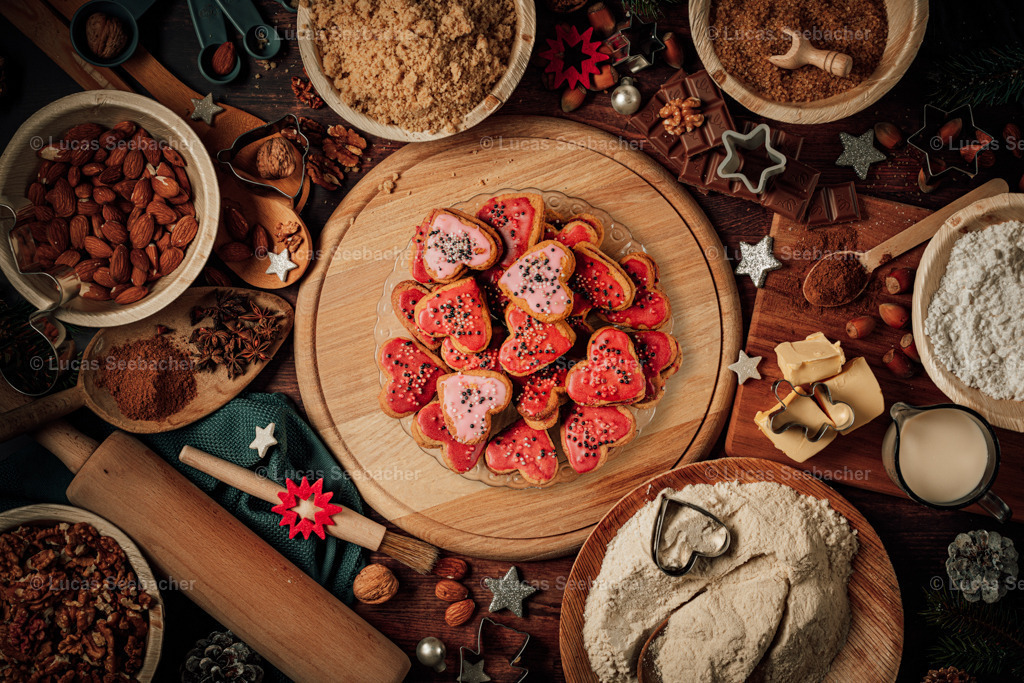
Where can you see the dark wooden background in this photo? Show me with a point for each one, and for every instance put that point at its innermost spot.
(916, 537)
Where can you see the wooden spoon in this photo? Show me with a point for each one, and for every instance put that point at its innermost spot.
(897, 245)
(646, 667)
(801, 53)
(213, 389)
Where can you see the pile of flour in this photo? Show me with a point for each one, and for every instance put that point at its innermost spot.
(975, 320)
(772, 608)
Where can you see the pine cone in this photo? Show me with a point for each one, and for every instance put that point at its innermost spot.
(221, 657)
(979, 564)
(950, 674)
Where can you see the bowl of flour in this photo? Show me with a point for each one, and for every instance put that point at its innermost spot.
(967, 314)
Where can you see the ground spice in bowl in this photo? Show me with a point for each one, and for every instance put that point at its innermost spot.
(835, 279)
(746, 32)
(150, 379)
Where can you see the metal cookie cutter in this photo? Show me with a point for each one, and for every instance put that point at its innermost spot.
(732, 165)
(816, 387)
(228, 156)
(659, 528)
(474, 672)
(926, 140)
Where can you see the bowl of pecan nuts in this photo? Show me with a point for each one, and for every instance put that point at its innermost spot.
(113, 193)
(79, 601)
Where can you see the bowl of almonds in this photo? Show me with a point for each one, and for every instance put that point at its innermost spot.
(113, 188)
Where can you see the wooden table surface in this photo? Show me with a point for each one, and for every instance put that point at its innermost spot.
(916, 537)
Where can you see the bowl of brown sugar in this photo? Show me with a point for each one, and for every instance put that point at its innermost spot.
(735, 38)
(415, 70)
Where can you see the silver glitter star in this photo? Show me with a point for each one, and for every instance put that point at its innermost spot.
(280, 264)
(204, 110)
(859, 152)
(473, 673)
(509, 592)
(757, 260)
(746, 367)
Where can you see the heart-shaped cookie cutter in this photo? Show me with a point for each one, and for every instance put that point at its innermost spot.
(228, 156)
(659, 529)
(822, 430)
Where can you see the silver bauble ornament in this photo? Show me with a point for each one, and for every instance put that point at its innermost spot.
(626, 97)
(431, 652)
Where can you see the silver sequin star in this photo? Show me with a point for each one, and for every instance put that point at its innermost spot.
(746, 367)
(757, 260)
(204, 110)
(859, 152)
(509, 592)
(473, 673)
(280, 264)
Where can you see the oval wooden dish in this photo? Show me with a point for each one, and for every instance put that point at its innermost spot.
(907, 22)
(337, 310)
(1005, 413)
(519, 57)
(875, 642)
(44, 514)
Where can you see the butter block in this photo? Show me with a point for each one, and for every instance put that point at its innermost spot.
(810, 360)
(855, 385)
(792, 442)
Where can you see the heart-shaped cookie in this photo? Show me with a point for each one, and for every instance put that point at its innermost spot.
(601, 280)
(555, 225)
(532, 344)
(404, 298)
(518, 219)
(412, 373)
(575, 232)
(588, 432)
(536, 282)
(539, 395)
(416, 267)
(660, 357)
(454, 242)
(458, 311)
(430, 431)
(650, 308)
(611, 373)
(485, 360)
(469, 399)
(521, 447)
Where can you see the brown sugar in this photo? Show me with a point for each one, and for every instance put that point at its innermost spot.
(150, 379)
(418, 64)
(746, 32)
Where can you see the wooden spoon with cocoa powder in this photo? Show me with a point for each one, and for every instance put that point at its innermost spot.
(840, 277)
(211, 391)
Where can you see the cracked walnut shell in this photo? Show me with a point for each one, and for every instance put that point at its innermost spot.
(275, 159)
(375, 585)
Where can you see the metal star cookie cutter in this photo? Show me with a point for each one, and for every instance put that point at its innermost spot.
(824, 429)
(929, 146)
(634, 45)
(479, 651)
(228, 156)
(659, 528)
(732, 165)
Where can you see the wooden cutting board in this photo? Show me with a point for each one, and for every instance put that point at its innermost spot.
(875, 642)
(336, 314)
(782, 314)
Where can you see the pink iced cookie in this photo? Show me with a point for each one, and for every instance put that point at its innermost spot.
(469, 399)
(538, 281)
(455, 242)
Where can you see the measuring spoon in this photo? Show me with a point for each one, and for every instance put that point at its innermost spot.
(260, 39)
(897, 245)
(208, 22)
(213, 389)
(128, 11)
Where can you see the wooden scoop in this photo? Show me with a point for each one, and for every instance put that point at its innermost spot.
(213, 389)
(897, 245)
(646, 668)
(801, 53)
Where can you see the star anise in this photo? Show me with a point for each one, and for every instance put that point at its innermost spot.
(235, 364)
(256, 351)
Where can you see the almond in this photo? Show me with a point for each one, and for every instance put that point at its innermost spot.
(115, 232)
(182, 178)
(223, 60)
(36, 193)
(184, 231)
(134, 164)
(237, 225)
(130, 295)
(95, 292)
(139, 276)
(81, 155)
(110, 212)
(97, 248)
(92, 169)
(46, 254)
(142, 193)
(458, 613)
(103, 195)
(450, 591)
(57, 234)
(139, 259)
(62, 199)
(120, 266)
(140, 230)
(125, 188)
(69, 258)
(116, 290)
(187, 209)
(50, 171)
(260, 241)
(87, 207)
(216, 278)
(125, 128)
(87, 268)
(232, 252)
(153, 254)
(100, 156)
(164, 169)
(111, 175)
(84, 132)
(165, 187)
(173, 157)
(451, 568)
(170, 259)
(44, 214)
(83, 191)
(74, 176)
(180, 198)
(149, 147)
(54, 152)
(162, 240)
(103, 277)
(162, 214)
(78, 230)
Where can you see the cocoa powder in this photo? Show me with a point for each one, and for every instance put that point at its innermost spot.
(835, 280)
(150, 379)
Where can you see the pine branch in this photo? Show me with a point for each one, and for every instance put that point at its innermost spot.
(988, 77)
(977, 637)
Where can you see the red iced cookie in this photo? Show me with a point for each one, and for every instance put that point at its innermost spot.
(416, 267)
(539, 395)
(601, 280)
(577, 232)
(611, 373)
(412, 373)
(458, 311)
(588, 432)
(536, 282)
(518, 219)
(404, 298)
(429, 431)
(650, 309)
(485, 360)
(660, 358)
(532, 344)
(454, 242)
(469, 399)
(521, 447)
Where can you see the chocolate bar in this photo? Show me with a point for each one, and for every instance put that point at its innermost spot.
(833, 204)
(708, 135)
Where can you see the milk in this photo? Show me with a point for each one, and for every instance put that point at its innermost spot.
(943, 456)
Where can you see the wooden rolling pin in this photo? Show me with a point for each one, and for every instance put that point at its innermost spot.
(225, 568)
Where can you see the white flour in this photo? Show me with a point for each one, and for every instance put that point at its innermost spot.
(773, 608)
(975, 320)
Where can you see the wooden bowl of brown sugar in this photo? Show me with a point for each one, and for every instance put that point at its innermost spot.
(734, 38)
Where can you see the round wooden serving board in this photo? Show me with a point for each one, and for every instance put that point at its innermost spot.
(875, 642)
(337, 310)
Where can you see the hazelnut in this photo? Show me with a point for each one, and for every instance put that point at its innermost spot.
(375, 585)
(105, 35)
(275, 159)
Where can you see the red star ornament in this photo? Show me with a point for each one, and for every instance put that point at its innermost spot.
(573, 74)
(294, 497)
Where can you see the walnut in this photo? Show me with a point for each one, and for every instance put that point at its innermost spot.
(682, 115)
(275, 159)
(375, 584)
(305, 93)
(105, 35)
(324, 172)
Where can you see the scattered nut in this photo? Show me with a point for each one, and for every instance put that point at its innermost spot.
(950, 131)
(898, 363)
(375, 585)
(894, 315)
(105, 35)
(888, 135)
(1012, 136)
(573, 98)
(451, 568)
(450, 591)
(275, 159)
(860, 327)
(458, 613)
(899, 280)
(909, 347)
(223, 60)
